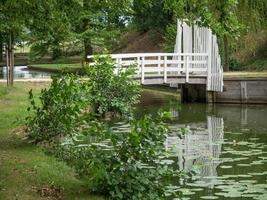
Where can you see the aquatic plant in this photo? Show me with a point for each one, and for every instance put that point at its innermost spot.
(131, 164)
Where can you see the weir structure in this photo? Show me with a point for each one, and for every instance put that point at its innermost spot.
(195, 64)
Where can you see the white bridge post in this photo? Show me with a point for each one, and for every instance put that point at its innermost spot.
(119, 65)
(187, 68)
(142, 69)
(138, 66)
(209, 51)
(165, 69)
(159, 64)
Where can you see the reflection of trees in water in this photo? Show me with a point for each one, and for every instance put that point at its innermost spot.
(199, 146)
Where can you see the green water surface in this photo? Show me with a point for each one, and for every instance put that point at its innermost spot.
(225, 146)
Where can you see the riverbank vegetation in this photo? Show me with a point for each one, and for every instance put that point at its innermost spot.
(73, 123)
(26, 172)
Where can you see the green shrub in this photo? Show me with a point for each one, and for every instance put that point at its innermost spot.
(64, 104)
(37, 50)
(112, 92)
(170, 37)
(128, 165)
(234, 65)
(60, 109)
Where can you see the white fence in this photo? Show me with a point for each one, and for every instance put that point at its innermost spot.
(164, 64)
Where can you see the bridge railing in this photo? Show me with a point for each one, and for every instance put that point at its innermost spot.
(164, 64)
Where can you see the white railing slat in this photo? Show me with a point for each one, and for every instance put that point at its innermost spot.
(142, 70)
(165, 69)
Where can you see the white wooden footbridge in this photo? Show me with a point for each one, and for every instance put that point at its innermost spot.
(195, 60)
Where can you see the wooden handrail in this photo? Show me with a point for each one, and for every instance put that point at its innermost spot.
(135, 55)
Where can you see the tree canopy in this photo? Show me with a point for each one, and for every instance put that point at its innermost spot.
(94, 25)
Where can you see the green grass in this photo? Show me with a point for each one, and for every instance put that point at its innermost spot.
(57, 67)
(24, 168)
(240, 74)
(258, 65)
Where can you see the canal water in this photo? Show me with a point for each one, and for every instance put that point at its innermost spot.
(225, 146)
(21, 72)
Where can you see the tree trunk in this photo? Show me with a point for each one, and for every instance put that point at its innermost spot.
(7, 64)
(226, 54)
(56, 52)
(88, 49)
(1, 49)
(10, 61)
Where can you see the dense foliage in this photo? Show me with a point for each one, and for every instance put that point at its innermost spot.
(71, 99)
(60, 109)
(129, 164)
(112, 92)
(238, 23)
(90, 26)
(150, 15)
(120, 163)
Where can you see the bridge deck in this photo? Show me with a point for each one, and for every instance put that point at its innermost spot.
(172, 79)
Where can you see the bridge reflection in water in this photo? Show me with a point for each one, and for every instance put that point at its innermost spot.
(199, 147)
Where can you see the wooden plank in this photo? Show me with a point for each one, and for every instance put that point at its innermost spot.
(209, 51)
(135, 55)
(165, 69)
(187, 65)
(142, 70)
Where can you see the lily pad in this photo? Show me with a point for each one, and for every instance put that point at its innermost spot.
(225, 166)
(196, 189)
(248, 181)
(209, 197)
(237, 133)
(254, 139)
(244, 175)
(243, 165)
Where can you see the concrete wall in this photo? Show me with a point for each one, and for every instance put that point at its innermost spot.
(243, 90)
(193, 93)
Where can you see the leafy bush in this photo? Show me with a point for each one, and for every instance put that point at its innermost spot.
(112, 92)
(234, 65)
(126, 164)
(170, 37)
(66, 101)
(59, 111)
(37, 50)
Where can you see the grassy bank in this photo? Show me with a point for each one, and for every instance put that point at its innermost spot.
(57, 67)
(22, 59)
(239, 74)
(258, 65)
(26, 173)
